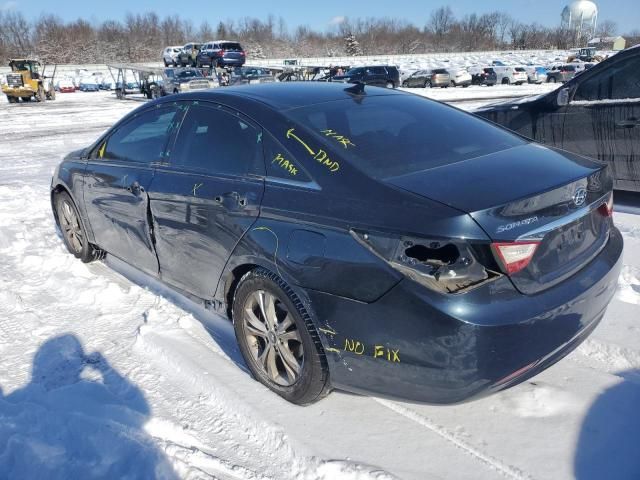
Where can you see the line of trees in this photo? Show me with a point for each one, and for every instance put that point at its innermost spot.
(141, 37)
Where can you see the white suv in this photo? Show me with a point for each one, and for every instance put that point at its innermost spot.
(459, 77)
(507, 75)
(169, 56)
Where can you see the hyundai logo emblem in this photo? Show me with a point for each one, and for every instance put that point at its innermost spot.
(580, 196)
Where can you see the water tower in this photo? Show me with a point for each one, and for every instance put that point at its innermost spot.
(581, 17)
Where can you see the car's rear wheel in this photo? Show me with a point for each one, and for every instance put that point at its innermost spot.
(505, 81)
(73, 231)
(551, 80)
(277, 338)
(389, 84)
(427, 84)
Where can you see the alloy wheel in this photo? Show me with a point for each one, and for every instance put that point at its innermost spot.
(71, 226)
(273, 338)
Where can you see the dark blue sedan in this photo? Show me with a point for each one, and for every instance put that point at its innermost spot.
(359, 238)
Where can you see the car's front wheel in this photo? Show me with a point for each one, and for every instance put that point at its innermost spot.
(73, 232)
(277, 338)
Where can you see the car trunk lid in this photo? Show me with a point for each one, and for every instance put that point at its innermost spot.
(528, 194)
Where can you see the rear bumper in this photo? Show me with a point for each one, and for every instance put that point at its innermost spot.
(426, 347)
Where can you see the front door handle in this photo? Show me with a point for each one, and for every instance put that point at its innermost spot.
(628, 123)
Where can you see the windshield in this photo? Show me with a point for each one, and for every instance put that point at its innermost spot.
(388, 136)
(189, 74)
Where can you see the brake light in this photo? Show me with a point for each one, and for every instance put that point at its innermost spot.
(220, 53)
(606, 209)
(515, 256)
(242, 53)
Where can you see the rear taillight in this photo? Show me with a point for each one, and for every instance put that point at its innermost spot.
(220, 53)
(514, 256)
(606, 209)
(242, 53)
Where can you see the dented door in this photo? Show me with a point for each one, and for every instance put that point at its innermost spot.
(117, 183)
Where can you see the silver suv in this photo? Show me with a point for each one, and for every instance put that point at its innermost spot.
(170, 55)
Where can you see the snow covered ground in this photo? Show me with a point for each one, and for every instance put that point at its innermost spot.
(105, 373)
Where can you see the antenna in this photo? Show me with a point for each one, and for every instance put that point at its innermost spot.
(356, 89)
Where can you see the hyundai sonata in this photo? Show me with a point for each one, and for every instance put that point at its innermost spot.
(359, 238)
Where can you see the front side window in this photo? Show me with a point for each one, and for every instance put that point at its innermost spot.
(618, 81)
(216, 141)
(143, 139)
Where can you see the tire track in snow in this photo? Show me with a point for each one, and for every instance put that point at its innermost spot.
(504, 469)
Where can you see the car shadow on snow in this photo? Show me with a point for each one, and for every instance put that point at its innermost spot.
(608, 444)
(77, 418)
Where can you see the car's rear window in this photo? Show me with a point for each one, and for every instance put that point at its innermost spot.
(388, 136)
(439, 70)
(232, 46)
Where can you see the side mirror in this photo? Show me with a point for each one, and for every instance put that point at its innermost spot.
(563, 97)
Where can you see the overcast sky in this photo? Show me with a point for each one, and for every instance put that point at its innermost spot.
(321, 14)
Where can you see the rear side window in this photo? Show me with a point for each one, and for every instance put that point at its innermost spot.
(216, 141)
(618, 81)
(280, 163)
(378, 70)
(388, 136)
(143, 139)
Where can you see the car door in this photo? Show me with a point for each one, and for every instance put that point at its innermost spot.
(118, 175)
(602, 120)
(206, 196)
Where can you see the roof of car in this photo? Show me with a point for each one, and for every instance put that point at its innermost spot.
(286, 95)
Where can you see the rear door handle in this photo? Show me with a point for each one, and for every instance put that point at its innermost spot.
(135, 188)
(628, 123)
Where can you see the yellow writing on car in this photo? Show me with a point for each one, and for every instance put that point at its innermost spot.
(320, 156)
(102, 149)
(341, 139)
(285, 164)
(379, 351)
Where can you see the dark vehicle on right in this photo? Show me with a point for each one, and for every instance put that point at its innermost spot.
(487, 76)
(421, 78)
(561, 73)
(595, 114)
(376, 75)
(221, 53)
(187, 57)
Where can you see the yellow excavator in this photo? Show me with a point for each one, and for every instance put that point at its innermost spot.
(27, 81)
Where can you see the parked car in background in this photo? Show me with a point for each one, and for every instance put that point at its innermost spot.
(376, 75)
(176, 80)
(250, 75)
(378, 242)
(440, 78)
(65, 85)
(170, 55)
(106, 84)
(88, 84)
(595, 114)
(221, 53)
(561, 73)
(188, 55)
(508, 75)
(536, 74)
(421, 78)
(485, 76)
(459, 77)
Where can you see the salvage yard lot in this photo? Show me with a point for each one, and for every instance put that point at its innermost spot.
(169, 376)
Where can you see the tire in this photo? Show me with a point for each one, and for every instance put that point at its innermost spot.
(453, 84)
(427, 84)
(26, 99)
(551, 80)
(175, 91)
(304, 377)
(505, 81)
(166, 64)
(12, 99)
(72, 229)
(390, 85)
